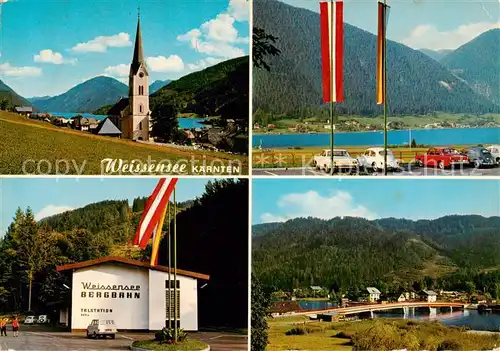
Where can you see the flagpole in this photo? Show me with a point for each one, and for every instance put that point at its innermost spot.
(175, 267)
(169, 275)
(385, 85)
(331, 88)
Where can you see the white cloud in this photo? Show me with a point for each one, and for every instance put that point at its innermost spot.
(220, 49)
(173, 63)
(101, 44)
(312, 204)
(121, 70)
(204, 63)
(49, 56)
(7, 69)
(429, 37)
(239, 9)
(51, 210)
(218, 36)
(192, 34)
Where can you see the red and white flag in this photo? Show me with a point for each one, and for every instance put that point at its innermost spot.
(155, 206)
(332, 50)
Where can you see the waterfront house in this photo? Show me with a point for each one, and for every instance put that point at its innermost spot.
(373, 294)
(402, 297)
(428, 295)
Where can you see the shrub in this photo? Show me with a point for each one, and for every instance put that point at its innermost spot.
(343, 335)
(449, 345)
(296, 331)
(166, 335)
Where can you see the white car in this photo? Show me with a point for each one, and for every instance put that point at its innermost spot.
(495, 152)
(374, 158)
(43, 319)
(341, 160)
(30, 320)
(101, 328)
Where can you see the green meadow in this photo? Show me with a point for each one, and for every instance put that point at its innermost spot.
(298, 333)
(27, 142)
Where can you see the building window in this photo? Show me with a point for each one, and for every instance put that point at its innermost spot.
(140, 126)
(141, 109)
(141, 90)
(172, 304)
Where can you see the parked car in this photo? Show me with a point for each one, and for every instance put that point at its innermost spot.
(341, 160)
(374, 158)
(480, 156)
(43, 319)
(101, 328)
(441, 157)
(30, 320)
(495, 152)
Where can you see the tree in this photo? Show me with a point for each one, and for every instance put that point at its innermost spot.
(413, 143)
(34, 248)
(260, 310)
(165, 123)
(4, 104)
(263, 46)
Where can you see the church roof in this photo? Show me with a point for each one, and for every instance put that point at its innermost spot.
(118, 107)
(138, 58)
(106, 127)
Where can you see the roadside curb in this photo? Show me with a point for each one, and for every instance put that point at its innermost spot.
(139, 349)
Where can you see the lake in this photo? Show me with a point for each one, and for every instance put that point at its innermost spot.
(469, 318)
(452, 136)
(316, 305)
(183, 122)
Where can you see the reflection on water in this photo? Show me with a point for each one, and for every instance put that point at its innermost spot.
(468, 318)
(316, 305)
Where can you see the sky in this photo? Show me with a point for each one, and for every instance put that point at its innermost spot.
(49, 196)
(422, 24)
(283, 199)
(47, 47)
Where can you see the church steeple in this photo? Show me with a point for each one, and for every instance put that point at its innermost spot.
(138, 58)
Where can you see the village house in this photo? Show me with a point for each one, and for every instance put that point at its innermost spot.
(373, 294)
(24, 110)
(428, 295)
(108, 128)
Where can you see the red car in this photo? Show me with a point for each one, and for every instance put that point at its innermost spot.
(441, 157)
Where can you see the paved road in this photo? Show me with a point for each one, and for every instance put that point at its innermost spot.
(63, 341)
(415, 171)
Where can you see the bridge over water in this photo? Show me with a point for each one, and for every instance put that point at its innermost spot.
(370, 308)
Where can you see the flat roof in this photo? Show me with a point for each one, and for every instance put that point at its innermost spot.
(129, 262)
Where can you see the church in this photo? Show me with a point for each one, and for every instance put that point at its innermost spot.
(132, 113)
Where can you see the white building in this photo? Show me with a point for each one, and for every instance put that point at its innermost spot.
(132, 293)
(373, 294)
(429, 295)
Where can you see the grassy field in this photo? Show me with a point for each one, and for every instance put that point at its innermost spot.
(188, 345)
(380, 334)
(26, 141)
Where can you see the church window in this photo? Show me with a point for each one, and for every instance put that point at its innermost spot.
(141, 90)
(140, 126)
(141, 109)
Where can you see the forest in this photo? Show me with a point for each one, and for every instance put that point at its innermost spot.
(212, 238)
(416, 84)
(348, 254)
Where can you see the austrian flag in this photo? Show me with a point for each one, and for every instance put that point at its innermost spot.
(332, 50)
(154, 211)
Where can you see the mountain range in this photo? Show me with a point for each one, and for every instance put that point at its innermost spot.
(416, 84)
(437, 55)
(12, 98)
(85, 97)
(353, 251)
(478, 63)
